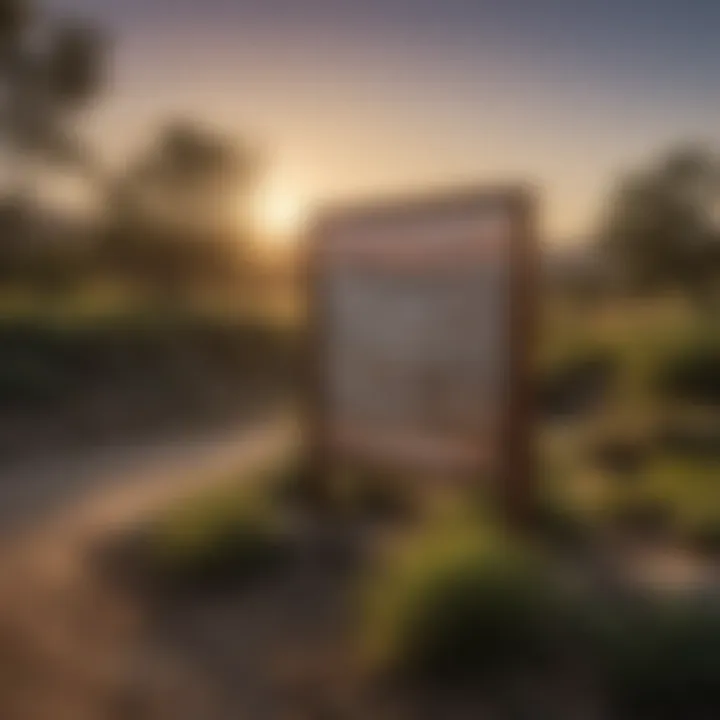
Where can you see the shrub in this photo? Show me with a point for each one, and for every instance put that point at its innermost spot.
(147, 361)
(662, 660)
(702, 531)
(640, 510)
(564, 510)
(683, 438)
(692, 489)
(575, 380)
(691, 371)
(228, 535)
(562, 522)
(698, 509)
(621, 455)
(459, 601)
(674, 497)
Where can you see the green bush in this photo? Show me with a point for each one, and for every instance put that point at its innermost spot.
(564, 506)
(692, 489)
(623, 455)
(675, 497)
(229, 534)
(690, 438)
(140, 361)
(575, 379)
(640, 510)
(461, 600)
(662, 660)
(563, 522)
(702, 532)
(691, 371)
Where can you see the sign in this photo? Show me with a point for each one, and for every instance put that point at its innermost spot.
(422, 312)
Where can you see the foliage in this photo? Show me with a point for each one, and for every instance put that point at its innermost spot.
(461, 600)
(145, 367)
(576, 376)
(173, 223)
(227, 535)
(662, 659)
(15, 16)
(621, 453)
(691, 370)
(693, 490)
(660, 231)
(677, 497)
(45, 85)
(689, 438)
(50, 71)
(185, 175)
(565, 509)
(640, 509)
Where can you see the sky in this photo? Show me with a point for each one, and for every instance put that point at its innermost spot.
(350, 98)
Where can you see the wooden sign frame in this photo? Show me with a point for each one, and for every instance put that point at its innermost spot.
(515, 486)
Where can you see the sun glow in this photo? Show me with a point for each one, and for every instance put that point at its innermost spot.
(280, 213)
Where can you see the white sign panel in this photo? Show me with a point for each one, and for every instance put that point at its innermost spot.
(416, 324)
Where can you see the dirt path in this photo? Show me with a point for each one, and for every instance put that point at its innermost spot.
(66, 633)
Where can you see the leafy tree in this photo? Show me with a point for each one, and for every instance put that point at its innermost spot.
(662, 231)
(189, 177)
(47, 78)
(174, 213)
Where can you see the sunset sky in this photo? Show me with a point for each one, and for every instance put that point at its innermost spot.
(355, 97)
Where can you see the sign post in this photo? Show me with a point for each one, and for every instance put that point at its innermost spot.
(421, 321)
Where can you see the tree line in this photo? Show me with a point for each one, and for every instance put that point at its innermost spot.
(171, 220)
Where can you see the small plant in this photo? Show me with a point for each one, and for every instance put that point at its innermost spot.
(688, 439)
(228, 535)
(691, 372)
(564, 509)
(698, 507)
(702, 532)
(622, 455)
(461, 601)
(641, 511)
(576, 379)
(692, 490)
(673, 498)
